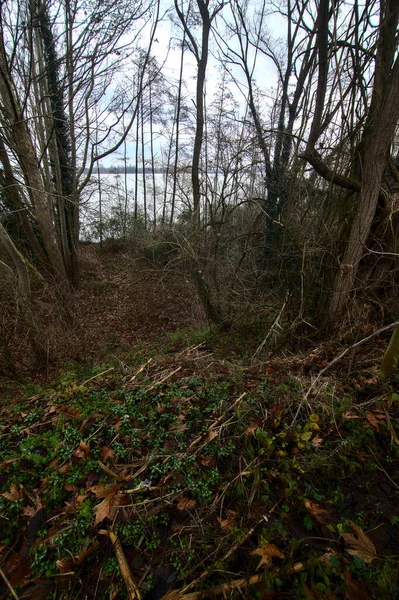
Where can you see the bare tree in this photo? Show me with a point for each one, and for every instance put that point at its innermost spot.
(200, 51)
(49, 93)
(374, 85)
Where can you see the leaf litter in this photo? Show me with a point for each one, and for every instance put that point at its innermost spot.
(201, 476)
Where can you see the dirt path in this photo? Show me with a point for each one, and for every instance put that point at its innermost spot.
(123, 300)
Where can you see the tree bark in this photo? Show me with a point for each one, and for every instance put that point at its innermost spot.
(23, 279)
(377, 138)
(23, 147)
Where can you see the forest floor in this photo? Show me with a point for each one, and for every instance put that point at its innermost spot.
(166, 457)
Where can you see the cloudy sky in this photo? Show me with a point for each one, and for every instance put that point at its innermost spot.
(166, 49)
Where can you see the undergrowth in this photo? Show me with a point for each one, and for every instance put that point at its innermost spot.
(199, 464)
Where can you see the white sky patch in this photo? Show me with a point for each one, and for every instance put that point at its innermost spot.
(167, 51)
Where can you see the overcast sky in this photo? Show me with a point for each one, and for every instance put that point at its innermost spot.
(167, 51)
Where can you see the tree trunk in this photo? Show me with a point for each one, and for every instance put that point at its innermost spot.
(23, 147)
(377, 138)
(23, 279)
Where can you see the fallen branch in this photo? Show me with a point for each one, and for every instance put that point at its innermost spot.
(235, 584)
(109, 472)
(154, 385)
(97, 376)
(8, 584)
(133, 592)
(140, 370)
(336, 359)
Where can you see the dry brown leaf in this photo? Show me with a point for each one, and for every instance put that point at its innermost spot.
(106, 453)
(112, 497)
(69, 487)
(186, 503)
(211, 436)
(317, 442)
(326, 557)
(8, 462)
(65, 468)
(230, 521)
(374, 419)
(66, 564)
(251, 429)
(315, 509)
(348, 414)
(266, 552)
(360, 545)
(207, 461)
(14, 494)
(178, 427)
(83, 451)
(29, 511)
(71, 411)
(354, 589)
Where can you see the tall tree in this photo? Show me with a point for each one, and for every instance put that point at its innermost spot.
(200, 51)
(377, 123)
(71, 54)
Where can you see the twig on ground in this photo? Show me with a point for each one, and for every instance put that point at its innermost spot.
(132, 589)
(156, 383)
(391, 429)
(273, 328)
(98, 375)
(8, 584)
(109, 472)
(336, 359)
(140, 370)
(216, 423)
(181, 593)
(235, 584)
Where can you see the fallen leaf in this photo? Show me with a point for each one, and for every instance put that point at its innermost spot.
(186, 503)
(230, 521)
(251, 429)
(106, 453)
(374, 419)
(266, 552)
(211, 436)
(71, 411)
(65, 468)
(360, 545)
(14, 494)
(83, 451)
(317, 442)
(112, 497)
(8, 462)
(315, 509)
(66, 564)
(348, 414)
(354, 589)
(207, 461)
(69, 487)
(35, 524)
